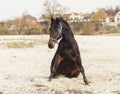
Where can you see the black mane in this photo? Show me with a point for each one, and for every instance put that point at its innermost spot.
(61, 19)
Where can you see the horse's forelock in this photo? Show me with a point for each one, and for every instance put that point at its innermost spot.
(61, 19)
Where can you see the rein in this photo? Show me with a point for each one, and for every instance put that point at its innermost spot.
(59, 34)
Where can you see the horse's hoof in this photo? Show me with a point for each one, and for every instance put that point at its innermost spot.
(50, 79)
(86, 83)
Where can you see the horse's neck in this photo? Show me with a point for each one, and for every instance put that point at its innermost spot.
(68, 35)
(67, 32)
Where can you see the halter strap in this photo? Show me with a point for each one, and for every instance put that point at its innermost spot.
(59, 34)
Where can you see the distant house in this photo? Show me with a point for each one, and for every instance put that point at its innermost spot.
(76, 16)
(117, 18)
(113, 20)
(109, 21)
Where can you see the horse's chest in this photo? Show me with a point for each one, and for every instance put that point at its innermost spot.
(66, 51)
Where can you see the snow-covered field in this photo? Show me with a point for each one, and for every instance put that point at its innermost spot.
(25, 66)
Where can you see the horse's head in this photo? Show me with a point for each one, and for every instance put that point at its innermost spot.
(55, 32)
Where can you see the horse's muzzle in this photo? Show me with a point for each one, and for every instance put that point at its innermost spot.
(51, 44)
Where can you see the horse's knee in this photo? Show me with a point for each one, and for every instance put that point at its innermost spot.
(82, 69)
(53, 69)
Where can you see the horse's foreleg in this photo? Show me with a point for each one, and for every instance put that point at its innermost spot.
(53, 70)
(55, 62)
(83, 72)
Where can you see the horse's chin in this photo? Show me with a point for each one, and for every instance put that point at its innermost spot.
(51, 47)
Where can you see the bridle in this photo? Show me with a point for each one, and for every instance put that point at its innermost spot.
(59, 34)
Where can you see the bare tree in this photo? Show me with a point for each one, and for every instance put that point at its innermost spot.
(112, 10)
(53, 8)
(26, 24)
(117, 9)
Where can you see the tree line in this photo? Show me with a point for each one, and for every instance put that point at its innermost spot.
(27, 24)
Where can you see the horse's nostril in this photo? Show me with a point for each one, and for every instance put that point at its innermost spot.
(50, 46)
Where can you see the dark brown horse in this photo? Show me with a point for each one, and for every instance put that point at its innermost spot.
(67, 60)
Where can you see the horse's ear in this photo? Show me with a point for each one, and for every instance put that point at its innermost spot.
(61, 18)
(52, 19)
(57, 19)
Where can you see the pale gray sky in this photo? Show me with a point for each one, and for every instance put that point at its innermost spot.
(15, 8)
